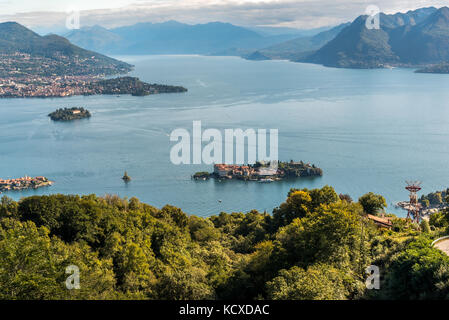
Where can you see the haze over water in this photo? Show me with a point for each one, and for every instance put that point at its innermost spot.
(369, 130)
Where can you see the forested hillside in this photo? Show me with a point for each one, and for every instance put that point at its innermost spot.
(315, 245)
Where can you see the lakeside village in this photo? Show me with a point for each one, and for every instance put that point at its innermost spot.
(261, 171)
(24, 183)
(66, 86)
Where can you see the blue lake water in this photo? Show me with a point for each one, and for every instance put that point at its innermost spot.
(369, 130)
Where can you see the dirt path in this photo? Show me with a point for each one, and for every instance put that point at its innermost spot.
(443, 245)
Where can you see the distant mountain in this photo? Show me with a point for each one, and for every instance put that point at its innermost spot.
(300, 47)
(356, 47)
(95, 38)
(417, 37)
(50, 54)
(427, 42)
(298, 33)
(236, 52)
(175, 38)
(257, 56)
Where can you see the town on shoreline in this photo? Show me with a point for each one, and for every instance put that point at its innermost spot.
(261, 172)
(24, 183)
(66, 86)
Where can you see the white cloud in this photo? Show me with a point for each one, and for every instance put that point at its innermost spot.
(292, 13)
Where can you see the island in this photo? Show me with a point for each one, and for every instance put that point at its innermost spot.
(126, 177)
(261, 171)
(69, 114)
(202, 175)
(442, 68)
(24, 183)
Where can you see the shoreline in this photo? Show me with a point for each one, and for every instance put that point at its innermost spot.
(24, 183)
(58, 87)
(261, 172)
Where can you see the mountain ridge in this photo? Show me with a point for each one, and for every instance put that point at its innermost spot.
(415, 38)
(64, 57)
(172, 37)
(299, 47)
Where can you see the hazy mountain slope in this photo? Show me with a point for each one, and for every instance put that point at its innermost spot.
(297, 48)
(297, 33)
(356, 46)
(181, 38)
(427, 42)
(442, 68)
(95, 38)
(65, 57)
(412, 38)
(176, 38)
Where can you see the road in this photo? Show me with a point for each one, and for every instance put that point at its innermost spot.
(443, 245)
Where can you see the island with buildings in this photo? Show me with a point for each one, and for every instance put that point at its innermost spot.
(24, 183)
(261, 172)
(69, 114)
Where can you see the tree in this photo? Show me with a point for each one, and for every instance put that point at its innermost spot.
(438, 220)
(33, 266)
(8, 207)
(345, 197)
(334, 234)
(325, 195)
(318, 282)
(435, 198)
(187, 284)
(174, 214)
(298, 205)
(249, 279)
(202, 230)
(372, 203)
(425, 227)
(417, 271)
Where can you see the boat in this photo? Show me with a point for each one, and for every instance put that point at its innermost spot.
(266, 180)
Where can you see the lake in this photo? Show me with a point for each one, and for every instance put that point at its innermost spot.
(369, 130)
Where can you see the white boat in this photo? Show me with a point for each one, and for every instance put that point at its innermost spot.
(265, 180)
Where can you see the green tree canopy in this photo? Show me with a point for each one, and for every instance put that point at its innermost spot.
(318, 282)
(372, 203)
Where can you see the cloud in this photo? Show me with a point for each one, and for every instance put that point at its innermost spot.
(286, 13)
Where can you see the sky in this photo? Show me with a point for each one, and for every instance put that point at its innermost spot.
(303, 14)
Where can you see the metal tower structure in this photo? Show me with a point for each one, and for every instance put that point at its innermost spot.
(413, 207)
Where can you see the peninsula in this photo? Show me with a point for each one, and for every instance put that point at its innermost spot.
(442, 68)
(261, 172)
(24, 183)
(129, 85)
(69, 114)
(51, 66)
(44, 87)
